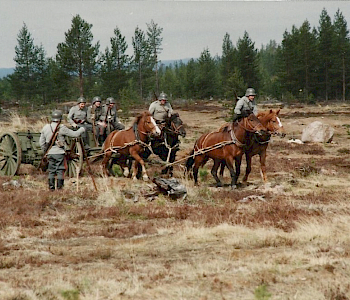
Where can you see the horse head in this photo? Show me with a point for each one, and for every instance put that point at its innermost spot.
(272, 122)
(175, 125)
(146, 124)
(253, 124)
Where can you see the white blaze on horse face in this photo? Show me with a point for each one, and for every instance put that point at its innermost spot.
(279, 122)
(156, 126)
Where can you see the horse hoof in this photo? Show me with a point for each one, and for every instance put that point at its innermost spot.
(233, 187)
(126, 173)
(145, 178)
(134, 178)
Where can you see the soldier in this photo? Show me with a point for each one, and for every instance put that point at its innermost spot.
(56, 153)
(96, 119)
(110, 116)
(77, 117)
(245, 105)
(161, 108)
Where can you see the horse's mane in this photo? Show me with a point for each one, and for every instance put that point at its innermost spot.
(141, 115)
(225, 127)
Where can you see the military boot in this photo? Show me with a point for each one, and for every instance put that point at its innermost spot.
(52, 184)
(60, 183)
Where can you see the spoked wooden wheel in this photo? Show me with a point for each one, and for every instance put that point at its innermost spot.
(75, 162)
(10, 154)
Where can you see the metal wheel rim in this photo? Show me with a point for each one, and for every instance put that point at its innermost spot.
(10, 154)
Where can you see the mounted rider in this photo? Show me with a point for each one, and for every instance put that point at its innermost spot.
(245, 105)
(52, 142)
(95, 118)
(77, 117)
(110, 117)
(161, 108)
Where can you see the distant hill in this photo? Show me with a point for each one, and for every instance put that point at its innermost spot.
(6, 71)
(169, 62)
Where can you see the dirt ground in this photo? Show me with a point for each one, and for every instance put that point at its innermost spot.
(286, 239)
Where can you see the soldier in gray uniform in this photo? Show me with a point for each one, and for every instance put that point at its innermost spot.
(56, 153)
(111, 119)
(245, 105)
(161, 108)
(96, 119)
(77, 117)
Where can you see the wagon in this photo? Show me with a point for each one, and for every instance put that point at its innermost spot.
(23, 147)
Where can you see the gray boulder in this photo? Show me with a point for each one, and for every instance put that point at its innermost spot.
(317, 132)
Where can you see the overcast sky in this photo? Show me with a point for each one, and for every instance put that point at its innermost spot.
(188, 26)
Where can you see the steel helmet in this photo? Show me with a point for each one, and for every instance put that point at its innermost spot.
(110, 100)
(56, 116)
(81, 100)
(96, 99)
(250, 92)
(163, 96)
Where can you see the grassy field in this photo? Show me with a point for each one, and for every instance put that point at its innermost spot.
(286, 239)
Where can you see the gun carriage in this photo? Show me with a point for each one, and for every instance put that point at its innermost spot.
(18, 148)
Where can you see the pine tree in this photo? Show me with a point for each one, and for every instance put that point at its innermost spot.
(267, 58)
(141, 59)
(342, 46)
(114, 65)
(227, 65)
(206, 79)
(154, 40)
(30, 61)
(77, 56)
(247, 61)
(326, 38)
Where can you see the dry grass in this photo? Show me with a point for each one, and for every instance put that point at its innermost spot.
(284, 240)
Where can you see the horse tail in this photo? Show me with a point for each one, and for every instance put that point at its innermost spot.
(190, 161)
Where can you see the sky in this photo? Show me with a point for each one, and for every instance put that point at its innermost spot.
(189, 27)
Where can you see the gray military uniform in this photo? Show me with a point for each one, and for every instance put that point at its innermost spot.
(79, 117)
(243, 105)
(159, 111)
(97, 111)
(57, 151)
(111, 117)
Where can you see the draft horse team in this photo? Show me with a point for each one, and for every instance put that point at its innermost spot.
(249, 135)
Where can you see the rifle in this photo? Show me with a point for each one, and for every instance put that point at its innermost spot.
(93, 109)
(43, 161)
(108, 129)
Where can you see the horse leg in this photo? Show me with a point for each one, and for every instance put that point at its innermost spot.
(229, 164)
(105, 162)
(222, 168)
(139, 160)
(238, 162)
(214, 172)
(263, 165)
(248, 159)
(198, 161)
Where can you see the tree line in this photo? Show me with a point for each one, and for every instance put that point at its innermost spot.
(310, 64)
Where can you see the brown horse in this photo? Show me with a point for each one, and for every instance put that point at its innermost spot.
(273, 124)
(130, 142)
(226, 145)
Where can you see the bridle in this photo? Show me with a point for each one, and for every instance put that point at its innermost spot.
(254, 128)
